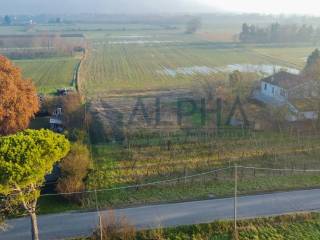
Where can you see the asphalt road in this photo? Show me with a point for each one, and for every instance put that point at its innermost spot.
(62, 226)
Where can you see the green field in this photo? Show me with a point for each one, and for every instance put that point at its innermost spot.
(287, 227)
(117, 166)
(147, 161)
(125, 68)
(290, 227)
(295, 56)
(139, 59)
(49, 74)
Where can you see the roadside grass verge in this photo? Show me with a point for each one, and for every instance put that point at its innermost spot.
(117, 166)
(55, 204)
(287, 227)
(197, 189)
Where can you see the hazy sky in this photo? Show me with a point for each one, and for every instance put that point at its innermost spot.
(159, 6)
(269, 6)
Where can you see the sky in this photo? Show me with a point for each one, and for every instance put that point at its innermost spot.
(159, 6)
(311, 7)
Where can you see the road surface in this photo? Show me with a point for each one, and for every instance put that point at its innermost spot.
(66, 225)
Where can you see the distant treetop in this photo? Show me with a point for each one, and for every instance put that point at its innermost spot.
(276, 33)
(19, 101)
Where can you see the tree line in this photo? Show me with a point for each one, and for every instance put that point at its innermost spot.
(277, 33)
(27, 156)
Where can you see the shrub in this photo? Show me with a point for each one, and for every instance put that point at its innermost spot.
(115, 228)
(73, 111)
(74, 170)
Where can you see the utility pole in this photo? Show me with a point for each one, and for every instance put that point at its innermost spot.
(235, 200)
(91, 158)
(99, 214)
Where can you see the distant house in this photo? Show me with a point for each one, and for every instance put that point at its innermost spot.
(64, 91)
(279, 85)
(56, 120)
(291, 90)
(303, 109)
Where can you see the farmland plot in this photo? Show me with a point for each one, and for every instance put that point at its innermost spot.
(296, 57)
(49, 74)
(148, 66)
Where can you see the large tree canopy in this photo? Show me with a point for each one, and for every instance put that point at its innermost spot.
(25, 159)
(312, 68)
(19, 100)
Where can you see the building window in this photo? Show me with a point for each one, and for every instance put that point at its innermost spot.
(265, 86)
(273, 90)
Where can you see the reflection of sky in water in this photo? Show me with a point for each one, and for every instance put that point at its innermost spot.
(130, 36)
(142, 42)
(264, 69)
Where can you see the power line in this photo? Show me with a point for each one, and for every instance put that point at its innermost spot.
(179, 179)
(141, 185)
(281, 169)
(182, 178)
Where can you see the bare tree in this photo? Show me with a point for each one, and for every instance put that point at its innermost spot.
(193, 26)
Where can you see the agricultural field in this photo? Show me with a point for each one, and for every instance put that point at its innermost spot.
(295, 56)
(199, 166)
(143, 63)
(150, 159)
(146, 60)
(49, 74)
(167, 110)
(48, 58)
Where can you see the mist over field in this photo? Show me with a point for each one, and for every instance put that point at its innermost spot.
(184, 111)
(103, 6)
(157, 6)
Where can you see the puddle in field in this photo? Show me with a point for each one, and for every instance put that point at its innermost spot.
(305, 59)
(130, 36)
(126, 42)
(263, 69)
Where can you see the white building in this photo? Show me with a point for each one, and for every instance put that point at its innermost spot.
(56, 121)
(291, 90)
(279, 85)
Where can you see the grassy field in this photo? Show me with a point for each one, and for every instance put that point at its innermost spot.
(149, 161)
(295, 57)
(205, 187)
(118, 65)
(141, 163)
(290, 227)
(286, 227)
(122, 67)
(49, 74)
(122, 60)
(151, 156)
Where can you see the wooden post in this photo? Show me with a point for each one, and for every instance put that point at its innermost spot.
(235, 199)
